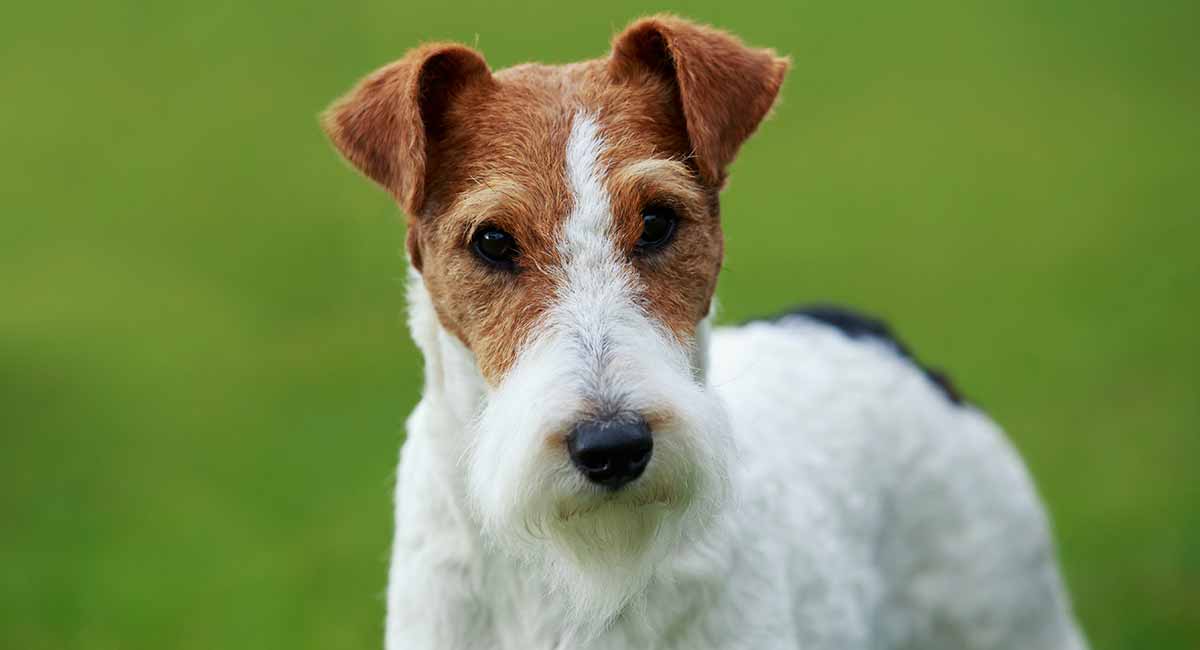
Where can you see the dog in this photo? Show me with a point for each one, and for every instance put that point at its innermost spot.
(592, 464)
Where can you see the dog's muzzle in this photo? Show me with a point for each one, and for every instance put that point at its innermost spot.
(611, 452)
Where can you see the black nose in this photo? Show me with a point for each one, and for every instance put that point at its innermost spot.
(611, 452)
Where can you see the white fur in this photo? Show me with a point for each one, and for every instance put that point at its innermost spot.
(868, 511)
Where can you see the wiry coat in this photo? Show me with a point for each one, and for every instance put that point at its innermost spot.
(869, 511)
(810, 487)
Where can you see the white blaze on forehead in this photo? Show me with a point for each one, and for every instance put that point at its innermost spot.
(595, 280)
(587, 231)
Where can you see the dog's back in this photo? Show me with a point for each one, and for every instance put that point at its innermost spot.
(900, 506)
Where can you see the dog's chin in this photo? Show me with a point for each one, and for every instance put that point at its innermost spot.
(598, 550)
(602, 550)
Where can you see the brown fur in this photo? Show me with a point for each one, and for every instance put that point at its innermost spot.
(725, 88)
(460, 147)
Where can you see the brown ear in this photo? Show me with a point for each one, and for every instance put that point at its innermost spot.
(388, 124)
(725, 88)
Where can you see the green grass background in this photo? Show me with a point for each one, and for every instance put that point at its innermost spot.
(203, 364)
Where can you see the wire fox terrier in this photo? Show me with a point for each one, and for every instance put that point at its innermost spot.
(591, 465)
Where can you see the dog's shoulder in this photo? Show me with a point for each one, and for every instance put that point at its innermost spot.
(858, 327)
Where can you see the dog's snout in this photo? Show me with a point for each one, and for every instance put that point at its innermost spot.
(611, 452)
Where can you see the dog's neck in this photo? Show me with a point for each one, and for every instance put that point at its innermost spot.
(452, 381)
(452, 394)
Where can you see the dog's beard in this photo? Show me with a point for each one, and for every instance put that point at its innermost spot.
(601, 560)
(596, 549)
(600, 550)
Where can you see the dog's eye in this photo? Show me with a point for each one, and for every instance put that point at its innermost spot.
(495, 247)
(658, 225)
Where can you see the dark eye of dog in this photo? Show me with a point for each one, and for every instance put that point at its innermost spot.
(658, 225)
(495, 247)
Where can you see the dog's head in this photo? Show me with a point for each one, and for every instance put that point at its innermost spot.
(564, 231)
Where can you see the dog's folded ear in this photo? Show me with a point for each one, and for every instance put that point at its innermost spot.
(725, 88)
(388, 126)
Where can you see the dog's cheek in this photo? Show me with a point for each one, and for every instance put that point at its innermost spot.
(679, 287)
(443, 270)
(491, 312)
(497, 336)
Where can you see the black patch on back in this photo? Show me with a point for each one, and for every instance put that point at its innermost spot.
(857, 326)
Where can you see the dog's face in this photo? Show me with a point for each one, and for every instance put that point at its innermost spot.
(564, 224)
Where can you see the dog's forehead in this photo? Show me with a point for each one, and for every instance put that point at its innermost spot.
(517, 129)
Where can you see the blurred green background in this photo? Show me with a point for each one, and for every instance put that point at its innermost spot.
(204, 368)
